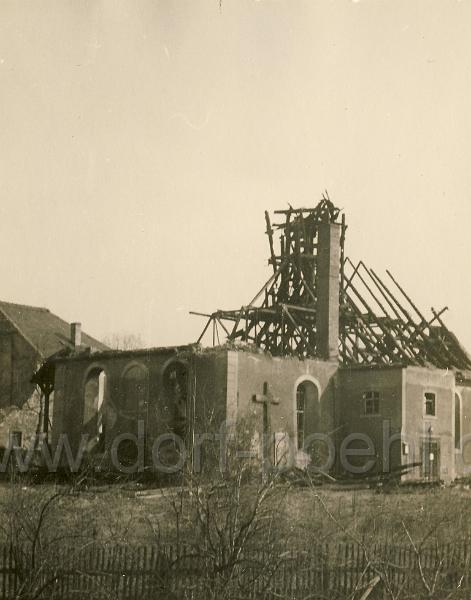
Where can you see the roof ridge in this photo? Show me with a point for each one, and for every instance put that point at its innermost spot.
(31, 307)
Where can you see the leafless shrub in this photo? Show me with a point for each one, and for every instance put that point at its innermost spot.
(223, 515)
(407, 567)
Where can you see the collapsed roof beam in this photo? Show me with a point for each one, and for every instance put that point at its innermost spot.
(375, 326)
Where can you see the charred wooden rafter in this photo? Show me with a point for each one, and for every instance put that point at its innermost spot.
(377, 326)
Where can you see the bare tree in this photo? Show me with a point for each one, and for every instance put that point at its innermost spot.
(30, 530)
(44, 538)
(123, 341)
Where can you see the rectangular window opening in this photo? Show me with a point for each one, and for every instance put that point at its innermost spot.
(371, 399)
(430, 404)
(300, 408)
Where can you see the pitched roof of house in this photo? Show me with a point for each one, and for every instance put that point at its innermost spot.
(45, 331)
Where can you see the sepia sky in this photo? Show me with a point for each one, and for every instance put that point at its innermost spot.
(141, 141)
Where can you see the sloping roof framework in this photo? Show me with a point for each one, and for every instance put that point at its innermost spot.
(379, 322)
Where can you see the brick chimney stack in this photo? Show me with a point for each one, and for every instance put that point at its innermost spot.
(76, 334)
(328, 289)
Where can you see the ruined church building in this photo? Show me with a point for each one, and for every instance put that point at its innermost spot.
(335, 365)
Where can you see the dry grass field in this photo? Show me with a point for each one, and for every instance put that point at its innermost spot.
(304, 516)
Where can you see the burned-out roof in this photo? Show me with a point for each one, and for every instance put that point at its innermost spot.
(136, 352)
(379, 323)
(45, 374)
(45, 331)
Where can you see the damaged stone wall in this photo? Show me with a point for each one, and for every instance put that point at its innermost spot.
(23, 419)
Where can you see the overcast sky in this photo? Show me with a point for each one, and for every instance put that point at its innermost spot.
(141, 141)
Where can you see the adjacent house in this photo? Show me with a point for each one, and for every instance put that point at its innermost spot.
(28, 336)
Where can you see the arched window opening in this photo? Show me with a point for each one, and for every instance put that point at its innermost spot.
(132, 409)
(457, 421)
(134, 393)
(307, 411)
(300, 414)
(175, 382)
(94, 395)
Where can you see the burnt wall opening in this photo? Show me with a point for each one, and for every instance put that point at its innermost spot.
(175, 391)
(93, 422)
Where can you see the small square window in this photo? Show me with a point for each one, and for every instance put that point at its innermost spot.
(430, 404)
(371, 403)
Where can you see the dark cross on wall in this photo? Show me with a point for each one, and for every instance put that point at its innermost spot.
(267, 399)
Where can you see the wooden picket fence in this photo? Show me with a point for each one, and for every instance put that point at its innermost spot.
(149, 572)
